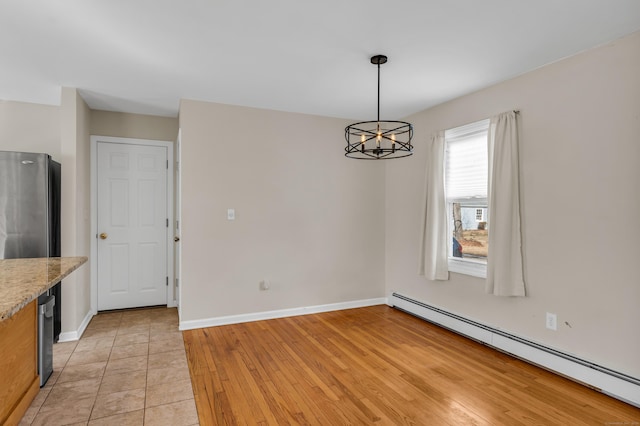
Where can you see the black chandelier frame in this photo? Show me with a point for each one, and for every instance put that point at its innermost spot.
(380, 139)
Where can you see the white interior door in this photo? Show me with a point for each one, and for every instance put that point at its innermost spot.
(132, 225)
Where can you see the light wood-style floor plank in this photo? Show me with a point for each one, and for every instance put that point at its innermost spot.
(377, 365)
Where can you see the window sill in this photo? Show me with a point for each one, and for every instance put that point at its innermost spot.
(474, 268)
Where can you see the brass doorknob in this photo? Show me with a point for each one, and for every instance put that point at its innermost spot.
(103, 236)
(176, 239)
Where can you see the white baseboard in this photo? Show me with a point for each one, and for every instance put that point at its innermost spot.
(610, 382)
(282, 313)
(70, 336)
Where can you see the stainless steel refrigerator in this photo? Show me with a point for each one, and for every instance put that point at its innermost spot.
(30, 212)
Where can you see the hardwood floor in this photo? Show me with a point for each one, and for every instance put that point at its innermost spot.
(377, 365)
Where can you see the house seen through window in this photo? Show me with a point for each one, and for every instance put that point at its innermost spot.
(466, 177)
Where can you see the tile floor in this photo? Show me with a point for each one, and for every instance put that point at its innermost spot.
(129, 368)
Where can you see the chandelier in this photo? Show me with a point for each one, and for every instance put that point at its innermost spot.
(380, 139)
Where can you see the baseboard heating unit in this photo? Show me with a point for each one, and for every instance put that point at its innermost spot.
(610, 382)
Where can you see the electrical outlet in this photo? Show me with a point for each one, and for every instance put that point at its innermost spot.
(552, 321)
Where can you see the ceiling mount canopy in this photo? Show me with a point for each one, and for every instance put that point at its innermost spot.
(380, 139)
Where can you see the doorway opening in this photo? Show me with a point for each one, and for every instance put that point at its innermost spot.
(132, 221)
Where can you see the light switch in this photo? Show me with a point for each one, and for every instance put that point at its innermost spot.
(231, 214)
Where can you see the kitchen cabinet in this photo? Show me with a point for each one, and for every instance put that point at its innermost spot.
(21, 282)
(18, 363)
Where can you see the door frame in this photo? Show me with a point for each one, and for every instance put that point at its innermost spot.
(95, 139)
(177, 281)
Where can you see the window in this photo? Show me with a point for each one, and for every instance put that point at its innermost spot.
(466, 174)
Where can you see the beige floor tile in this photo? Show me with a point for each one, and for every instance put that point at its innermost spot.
(70, 391)
(111, 325)
(162, 327)
(133, 329)
(33, 409)
(128, 351)
(41, 396)
(61, 348)
(164, 320)
(107, 316)
(132, 418)
(67, 413)
(165, 346)
(87, 357)
(60, 360)
(124, 360)
(130, 339)
(93, 344)
(167, 393)
(73, 373)
(122, 382)
(156, 336)
(118, 402)
(169, 314)
(28, 416)
(168, 327)
(181, 413)
(135, 320)
(101, 321)
(53, 378)
(173, 359)
(126, 365)
(158, 376)
(144, 312)
(96, 333)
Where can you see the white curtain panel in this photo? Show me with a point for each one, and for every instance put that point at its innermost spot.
(433, 244)
(504, 262)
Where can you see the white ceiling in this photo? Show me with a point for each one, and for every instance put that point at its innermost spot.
(143, 56)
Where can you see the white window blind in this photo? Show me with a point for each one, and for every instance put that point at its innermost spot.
(466, 164)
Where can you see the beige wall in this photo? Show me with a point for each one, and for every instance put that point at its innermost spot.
(118, 124)
(580, 152)
(30, 127)
(74, 138)
(307, 219)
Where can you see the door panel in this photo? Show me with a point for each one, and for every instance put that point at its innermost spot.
(132, 215)
(119, 268)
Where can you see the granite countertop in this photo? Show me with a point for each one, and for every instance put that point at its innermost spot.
(23, 280)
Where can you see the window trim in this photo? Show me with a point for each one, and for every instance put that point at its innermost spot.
(473, 267)
(466, 266)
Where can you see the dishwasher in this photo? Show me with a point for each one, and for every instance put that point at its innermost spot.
(45, 337)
